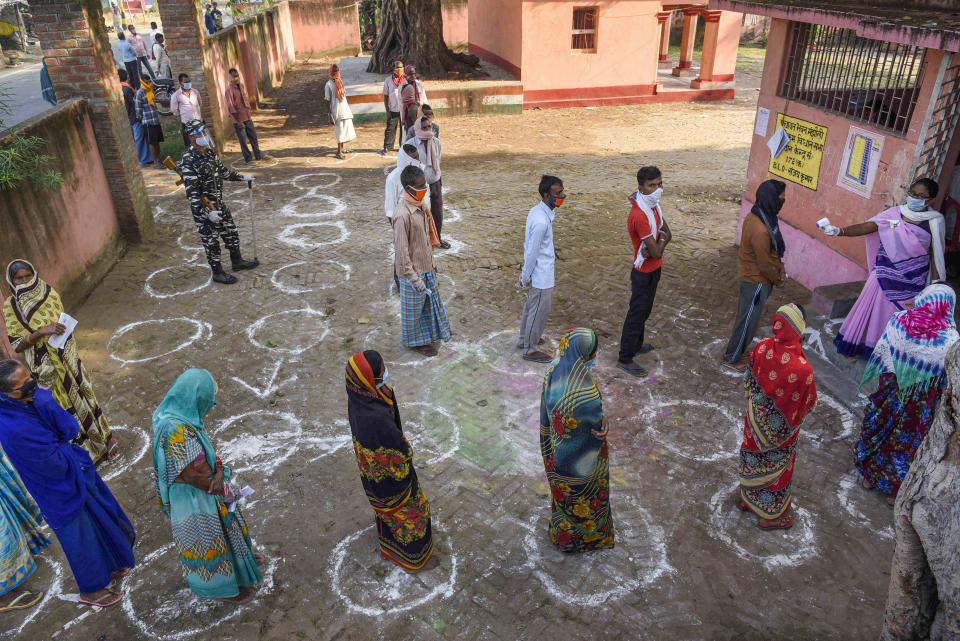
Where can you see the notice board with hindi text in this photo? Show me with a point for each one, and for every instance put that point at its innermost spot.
(800, 161)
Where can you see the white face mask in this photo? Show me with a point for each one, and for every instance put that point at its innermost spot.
(653, 199)
(385, 379)
(204, 141)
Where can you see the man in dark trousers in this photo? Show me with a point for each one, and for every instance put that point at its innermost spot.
(650, 235)
(203, 175)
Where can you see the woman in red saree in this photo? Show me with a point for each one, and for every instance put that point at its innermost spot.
(780, 391)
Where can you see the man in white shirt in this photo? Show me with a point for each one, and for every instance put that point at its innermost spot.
(539, 259)
(392, 105)
(185, 105)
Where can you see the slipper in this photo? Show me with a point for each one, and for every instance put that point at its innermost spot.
(26, 600)
(785, 522)
(739, 368)
(866, 483)
(633, 369)
(119, 574)
(114, 452)
(105, 601)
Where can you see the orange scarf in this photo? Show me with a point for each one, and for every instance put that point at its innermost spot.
(434, 236)
(335, 76)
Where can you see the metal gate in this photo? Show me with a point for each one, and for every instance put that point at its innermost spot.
(941, 120)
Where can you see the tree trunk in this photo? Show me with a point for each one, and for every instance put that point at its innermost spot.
(412, 31)
(924, 597)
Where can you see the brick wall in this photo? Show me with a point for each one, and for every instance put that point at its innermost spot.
(184, 34)
(74, 41)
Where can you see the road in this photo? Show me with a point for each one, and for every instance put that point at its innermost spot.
(22, 86)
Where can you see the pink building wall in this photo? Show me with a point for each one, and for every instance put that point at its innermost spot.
(496, 32)
(325, 26)
(455, 27)
(812, 258)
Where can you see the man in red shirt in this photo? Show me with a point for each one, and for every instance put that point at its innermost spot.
(239, 110)
(650, 234)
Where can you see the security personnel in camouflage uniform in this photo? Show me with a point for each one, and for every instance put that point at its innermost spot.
(203, 175)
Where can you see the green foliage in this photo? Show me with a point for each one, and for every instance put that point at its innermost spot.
(22, 158)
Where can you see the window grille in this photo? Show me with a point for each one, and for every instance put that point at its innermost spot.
(585, 29)
(871, 81)
(942, 121)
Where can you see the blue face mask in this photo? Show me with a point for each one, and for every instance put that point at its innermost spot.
(384, 379)
(187, 85)
(916, 204)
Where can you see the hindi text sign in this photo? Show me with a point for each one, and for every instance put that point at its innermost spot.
(800, 161)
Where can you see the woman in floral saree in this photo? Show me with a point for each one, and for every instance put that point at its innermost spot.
(780, 392)
(909, 363)
(32, 315)
(385, 460)
(211, 535)
(574, 448)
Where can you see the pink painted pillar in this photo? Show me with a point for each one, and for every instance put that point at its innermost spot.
(685, 66)
(663, 18)
(721, 39)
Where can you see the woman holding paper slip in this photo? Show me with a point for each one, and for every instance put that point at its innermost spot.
(213, 543)
(32, 315)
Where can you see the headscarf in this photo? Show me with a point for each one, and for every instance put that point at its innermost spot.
(781, 368)
(335, 76)
(30, 296)
(189, 399)
(915, 342)
(766, 207)
(429, 142)
(147, 87)
(363, 370)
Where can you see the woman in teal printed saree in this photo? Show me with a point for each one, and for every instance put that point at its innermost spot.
(20, 540)
(212, 541)
(574, 447)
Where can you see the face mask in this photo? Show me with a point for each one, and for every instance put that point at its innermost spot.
(653, 198)
(186, 85)
(204, 141)
(28, 389)
(419, 194)
(558, 200)
(916, 204)
(384, 379)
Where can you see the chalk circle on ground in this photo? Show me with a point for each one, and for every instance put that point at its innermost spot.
(244, 167)
(145, 345)
(820, 425)
(291, 281)
(456, 247)
(433, 431)
(52, 590)
(738, 530)
(370, 584)
(178, 280)
(330, 206)
(694, 429)
(499, 351)
(132, 449)
(638, 560)
(849, 493)
(167, 610)
(294, 234)
(710, 354)
(292, 331)
(295, 181)
(261, 440)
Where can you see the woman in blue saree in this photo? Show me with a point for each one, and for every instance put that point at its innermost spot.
(574, 447)
(212, 540)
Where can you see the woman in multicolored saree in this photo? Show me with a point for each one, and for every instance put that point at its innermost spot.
(386, 464)
(20, 539)
(573, 443)
(781, 391)
(909, 363)
(32, 315)
(195, 492)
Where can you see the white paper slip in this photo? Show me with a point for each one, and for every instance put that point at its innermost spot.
(778, 142)
(70, 323)
(763, 119)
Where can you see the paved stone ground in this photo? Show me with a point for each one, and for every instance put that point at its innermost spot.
(686, 566)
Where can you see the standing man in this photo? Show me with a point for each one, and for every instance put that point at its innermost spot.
(154, 30)
(412, 95)
(140, 49)
(539, 259)
(240, 117)
(761, 267)
(149, 119)
(429, 152)
(203, 176)
(393, 191)
(392, 105)
(130, 62)
(217, 16)
(208, 21)
(423, 318)
(650, 235)
(185, 105)
(130, 104)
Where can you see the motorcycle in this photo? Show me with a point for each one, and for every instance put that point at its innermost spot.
(162, 91)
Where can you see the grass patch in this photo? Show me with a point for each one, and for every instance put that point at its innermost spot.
(172, 144)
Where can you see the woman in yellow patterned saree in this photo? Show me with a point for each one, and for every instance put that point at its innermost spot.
(386, 464)
(32, 315)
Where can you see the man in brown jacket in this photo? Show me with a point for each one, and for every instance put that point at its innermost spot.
(761, 267)
(239, 110)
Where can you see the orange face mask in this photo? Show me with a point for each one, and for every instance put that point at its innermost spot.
(558, 201)
(420, 194)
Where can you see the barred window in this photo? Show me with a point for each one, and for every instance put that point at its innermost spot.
(834, 69)
(585, 29)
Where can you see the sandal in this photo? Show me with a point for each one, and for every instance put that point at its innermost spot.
(119, 574)
(113, 452)
(25, 600)
(866, 483)
(107, 600)
(739, 502)
(785, 522)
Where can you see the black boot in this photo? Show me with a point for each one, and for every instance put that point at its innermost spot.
(220, 276)
(239, 263)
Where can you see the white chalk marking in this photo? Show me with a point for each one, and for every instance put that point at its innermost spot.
(271, 386)
(395, 582)
(847, 419)
(148, 288)
(455, 247)
(52, 592)
(201, 330)
(451, 214)
(799, 539)
(336, 206)
(286, 289)
(256, 449)
(90, 609)
(312, 332)
(725, 449)
(125, 462)
(241, 164)
(417, 437)
(847, 483)
(296, 179)
(289, 235)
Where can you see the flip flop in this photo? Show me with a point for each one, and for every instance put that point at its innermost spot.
(114, 452)
(105, 601)
(26, 600)
(783, 523)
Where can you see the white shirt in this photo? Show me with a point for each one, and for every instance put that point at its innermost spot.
(186, 107)
(393, 190)
(421, 145)
(539, 256)
(393, 94)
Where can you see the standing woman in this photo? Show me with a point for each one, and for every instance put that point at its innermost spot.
(573, 442)
(212, 540)
(909, 363)
(32, 315)
(340, 115)
(20, 540)
(905, 251)
(385, 460)
(781, 391)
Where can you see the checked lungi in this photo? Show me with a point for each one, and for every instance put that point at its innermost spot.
(423, 319)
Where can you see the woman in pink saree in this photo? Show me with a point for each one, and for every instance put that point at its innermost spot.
(905, 251)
